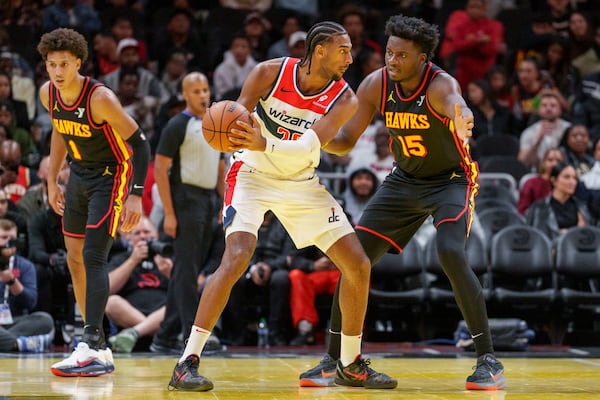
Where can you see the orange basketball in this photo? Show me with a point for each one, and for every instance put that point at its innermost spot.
(218, 121)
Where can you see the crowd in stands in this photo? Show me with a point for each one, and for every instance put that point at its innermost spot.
(529, 70)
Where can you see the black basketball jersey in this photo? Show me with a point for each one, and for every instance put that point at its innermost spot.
(422, 141)
(89, 145)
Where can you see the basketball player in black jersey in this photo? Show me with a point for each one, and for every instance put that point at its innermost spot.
(108, 156)
(428, 122)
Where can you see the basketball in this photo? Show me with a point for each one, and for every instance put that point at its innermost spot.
(218, 121)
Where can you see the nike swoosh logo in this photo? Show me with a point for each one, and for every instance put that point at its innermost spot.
(361, 376)
(85, 363)
(327, 374)
(497, 376)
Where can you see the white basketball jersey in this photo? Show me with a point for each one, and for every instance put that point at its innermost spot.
(285, 114)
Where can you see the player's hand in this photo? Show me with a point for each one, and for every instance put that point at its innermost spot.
(131, 213)
(56, 198)
(463, 125)
(246, 136)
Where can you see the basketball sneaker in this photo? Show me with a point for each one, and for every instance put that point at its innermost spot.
(488, 374)
(359, 374)
(35, 343)
(85, 361)
(322, 375)
(186, 377)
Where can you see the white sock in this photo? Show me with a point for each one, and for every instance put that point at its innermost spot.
(350, 348)
(195, 343)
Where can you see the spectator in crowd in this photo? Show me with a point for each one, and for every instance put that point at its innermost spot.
(265, 282)
(497, 79)
(581, 34)
(21, 329)
(142, 109)
(9, 211)
(17, 178)
(545, 133)
(312, 273)
(21, 75)
(175, 69)
(524, 92)
(123, 27)
(557, 66)
(539, 185)
(362, 184)
(490, 117)
(237, 63)
(297, 44)
(28, 154)
(179, 33)
(586, 107)
(589, 61)
(106, 57)
(559, 12)
(187, 173)
(379, 159)
(352, 17)
(48, 252)
(19, 107)
(79, 15)
(256, 28)
(561, 210)
(36, 196)
(576, 146)
(478, 42)
(129, 58)
(138, 280)
(589, 188)
(290, 24)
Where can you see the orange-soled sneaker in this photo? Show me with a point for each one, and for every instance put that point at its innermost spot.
(359, 374)
(488, 374)
(85, 361)
(322, 375)
(185, 376)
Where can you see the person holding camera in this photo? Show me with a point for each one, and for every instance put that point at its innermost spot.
(20, 329)
(138, 281)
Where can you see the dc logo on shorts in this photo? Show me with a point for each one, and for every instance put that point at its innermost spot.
(334, 217)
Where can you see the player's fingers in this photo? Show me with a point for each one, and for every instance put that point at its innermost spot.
(457, 110)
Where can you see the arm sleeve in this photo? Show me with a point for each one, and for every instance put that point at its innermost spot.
(140, 159)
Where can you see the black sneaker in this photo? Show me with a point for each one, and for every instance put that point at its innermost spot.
(185, 376)
(158, 345)
(322, 375)
(359, 374)
(488, 374)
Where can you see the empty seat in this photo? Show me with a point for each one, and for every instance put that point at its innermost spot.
(578, 266)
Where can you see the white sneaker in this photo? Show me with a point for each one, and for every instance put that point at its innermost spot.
(85, 362)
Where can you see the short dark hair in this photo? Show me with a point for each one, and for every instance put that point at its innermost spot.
(426, 36)
(63, 39)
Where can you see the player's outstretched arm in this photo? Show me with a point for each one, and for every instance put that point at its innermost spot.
(369, 96)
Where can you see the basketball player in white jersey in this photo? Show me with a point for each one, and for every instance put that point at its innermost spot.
(299, 106)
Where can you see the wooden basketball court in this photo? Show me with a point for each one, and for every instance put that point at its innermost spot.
(428, 374)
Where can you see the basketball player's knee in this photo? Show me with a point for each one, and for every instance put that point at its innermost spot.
(93, 258)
